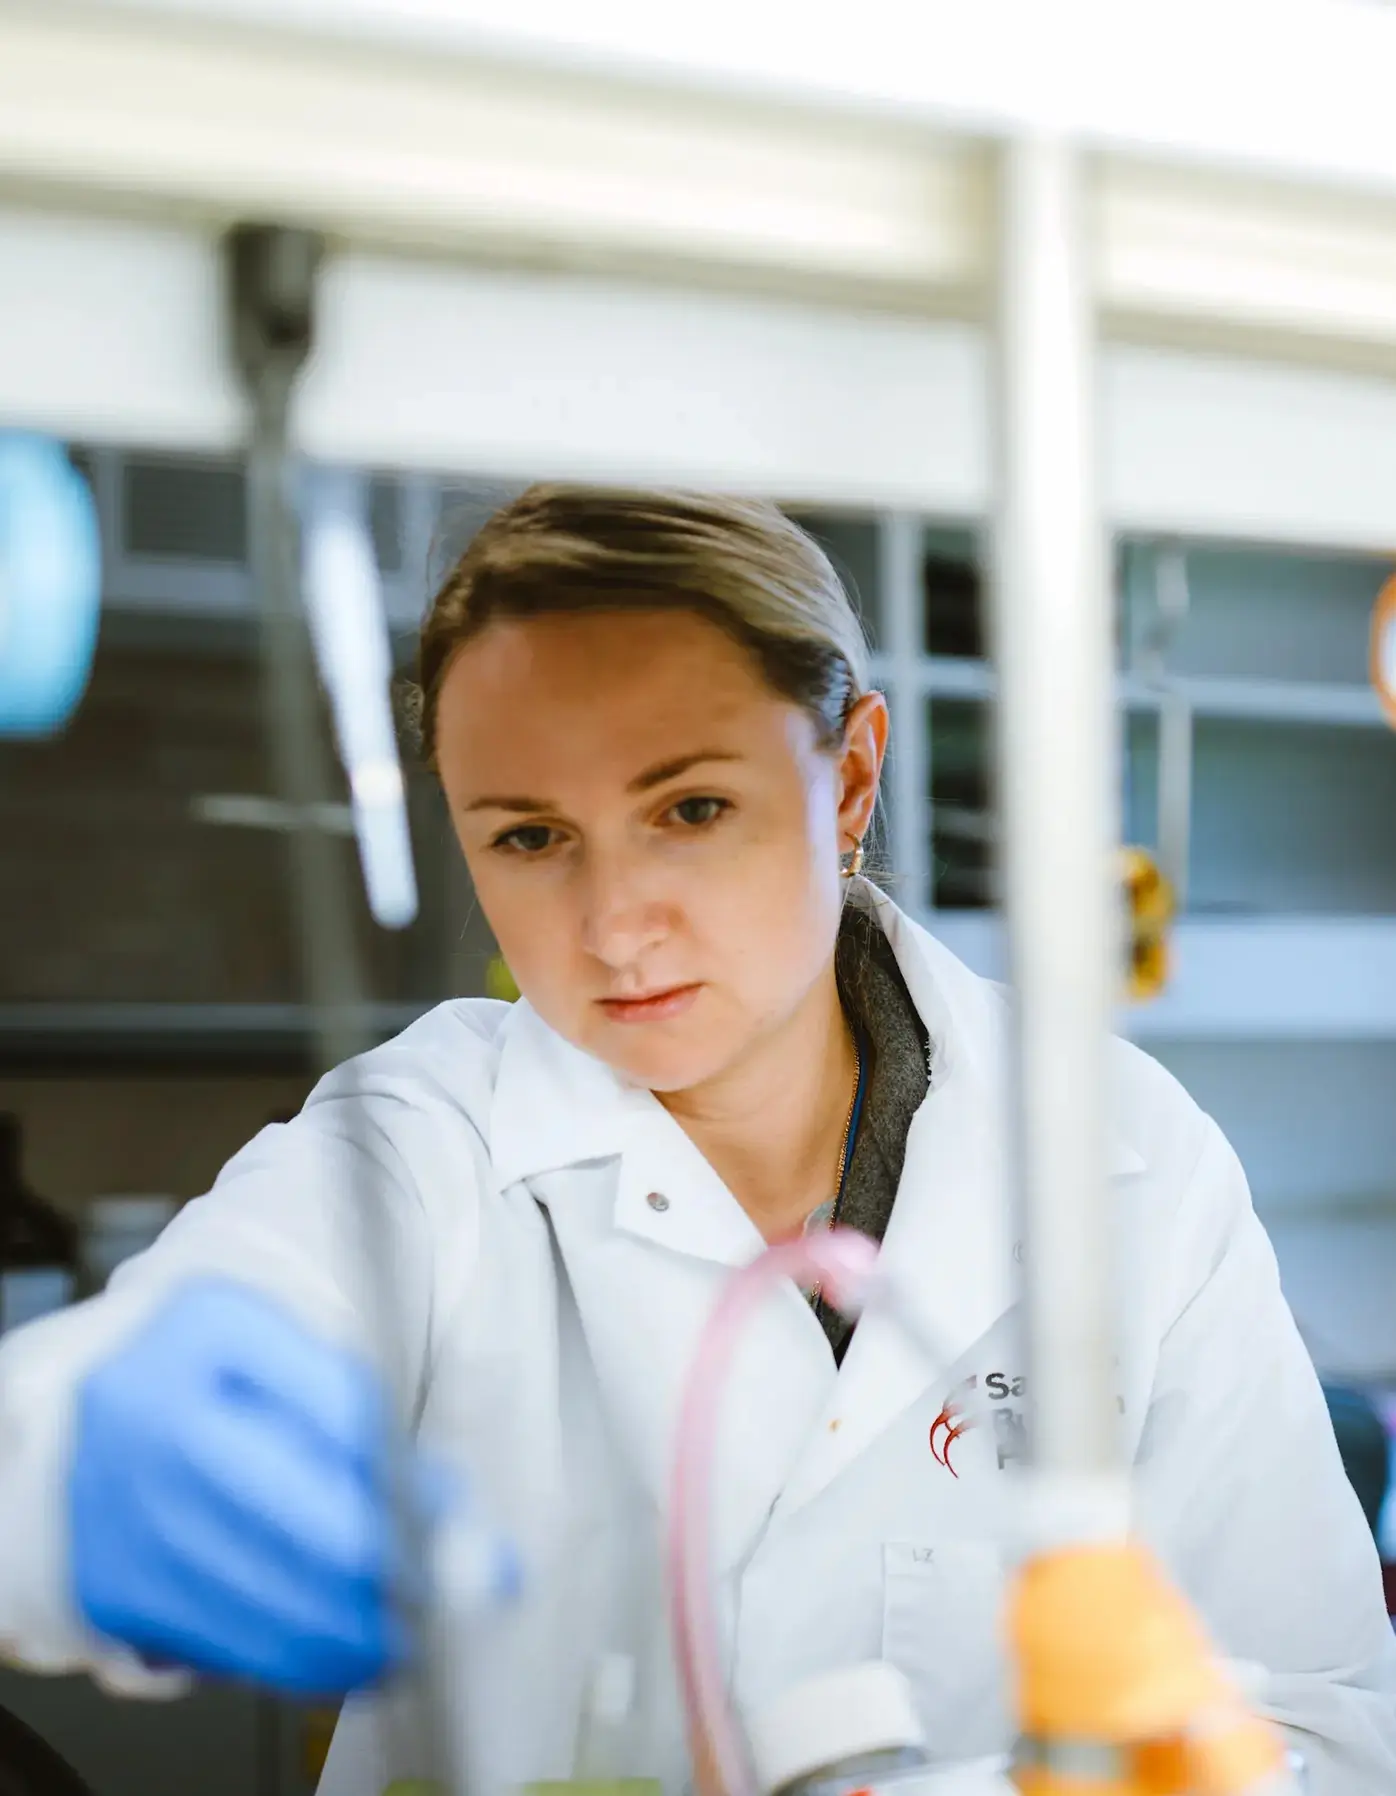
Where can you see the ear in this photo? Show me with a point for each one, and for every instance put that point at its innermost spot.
(860, 767)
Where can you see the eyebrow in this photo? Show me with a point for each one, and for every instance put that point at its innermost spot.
(657, 775)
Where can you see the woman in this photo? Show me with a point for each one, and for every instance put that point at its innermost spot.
(652, 718)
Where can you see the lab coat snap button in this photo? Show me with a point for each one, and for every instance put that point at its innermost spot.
(657, 1202)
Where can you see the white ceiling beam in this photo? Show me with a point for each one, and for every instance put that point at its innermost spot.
(405, 142)
(112, 333)
(1299, 87)
(391, 147)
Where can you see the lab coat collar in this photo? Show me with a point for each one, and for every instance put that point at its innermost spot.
(553, 1106)
(556, 1107)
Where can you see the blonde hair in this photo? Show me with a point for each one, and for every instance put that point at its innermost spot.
(738, 562)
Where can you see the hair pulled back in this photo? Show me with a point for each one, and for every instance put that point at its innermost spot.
(740, 563)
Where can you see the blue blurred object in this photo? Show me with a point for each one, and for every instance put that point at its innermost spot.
(50, 585)
(227, 1500)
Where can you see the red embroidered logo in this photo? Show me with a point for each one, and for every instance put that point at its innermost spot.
(947, 1428)
(999, 1403)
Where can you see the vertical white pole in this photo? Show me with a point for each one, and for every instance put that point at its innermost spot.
(1056, 765)
(902, 610)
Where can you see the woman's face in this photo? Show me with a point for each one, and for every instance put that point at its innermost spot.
(653, 834)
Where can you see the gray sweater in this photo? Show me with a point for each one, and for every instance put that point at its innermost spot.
(896, 1050)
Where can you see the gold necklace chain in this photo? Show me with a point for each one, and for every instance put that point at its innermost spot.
(833, 1206)
(847, 1129)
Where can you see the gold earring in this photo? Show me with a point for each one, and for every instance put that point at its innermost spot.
(855, 862)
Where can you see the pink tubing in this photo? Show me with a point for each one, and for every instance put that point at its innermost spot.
(842, 1262)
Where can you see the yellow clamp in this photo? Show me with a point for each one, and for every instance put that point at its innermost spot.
(1149, 909)
(1383, 658)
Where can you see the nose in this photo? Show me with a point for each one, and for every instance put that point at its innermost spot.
(623, 917)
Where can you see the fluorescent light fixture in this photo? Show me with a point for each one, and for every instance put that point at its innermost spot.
(345, 603)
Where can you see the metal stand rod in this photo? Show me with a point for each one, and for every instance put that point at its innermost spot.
(272, 275)
(1175, 726)
(1050, 622)
(899, 554)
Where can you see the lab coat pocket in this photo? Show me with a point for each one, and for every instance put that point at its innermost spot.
(942, 1627)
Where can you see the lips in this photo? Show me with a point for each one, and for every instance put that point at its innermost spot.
(653, 1007)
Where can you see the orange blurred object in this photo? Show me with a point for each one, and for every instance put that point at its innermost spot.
(1110, 1654)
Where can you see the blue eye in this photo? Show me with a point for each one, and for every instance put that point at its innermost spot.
(695, 812)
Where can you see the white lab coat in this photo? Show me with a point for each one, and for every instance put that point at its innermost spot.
(551, 1304)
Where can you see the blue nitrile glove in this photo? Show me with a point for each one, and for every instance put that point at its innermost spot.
(226, 1499)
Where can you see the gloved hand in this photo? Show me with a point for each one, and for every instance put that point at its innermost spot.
(226, 1500)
